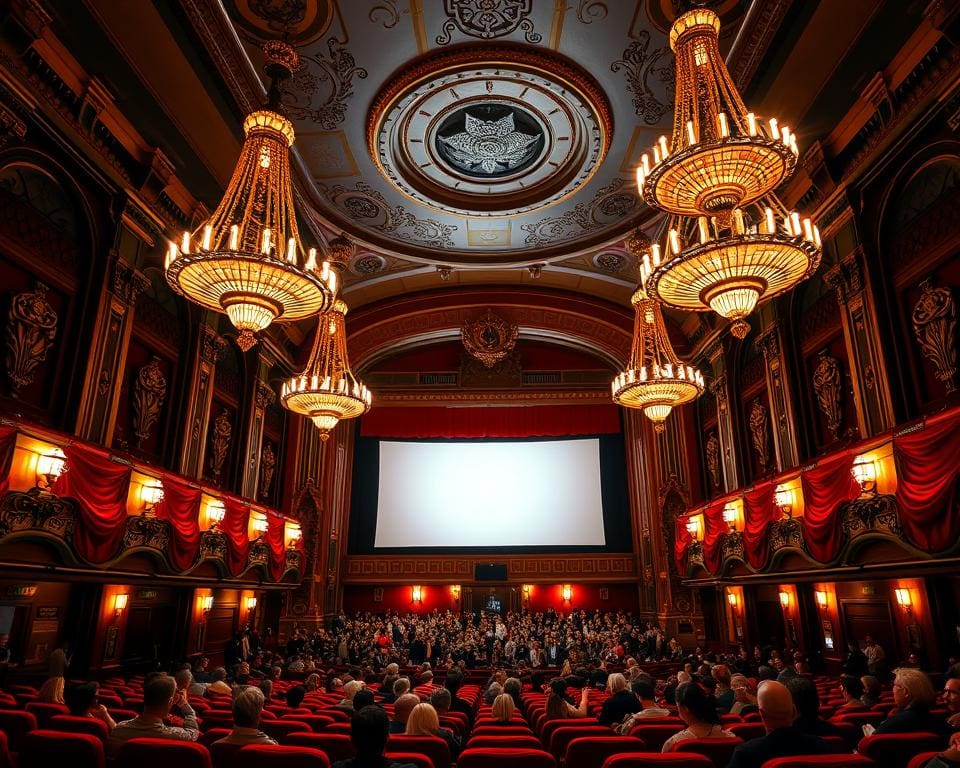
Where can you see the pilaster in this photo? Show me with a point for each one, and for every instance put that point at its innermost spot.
(780, 397)
(210, 348)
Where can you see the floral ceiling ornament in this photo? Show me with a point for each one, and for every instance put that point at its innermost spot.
(935, 326)
(827, 386)
(31, 329)
(149, 392)
(608, 206)
(319, 89)
(640, 65)
(493, 145)
(488, 19)
(589, 11)
(489, 339)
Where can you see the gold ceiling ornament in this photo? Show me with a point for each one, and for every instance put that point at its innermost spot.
(327, 391)
(489, 339)
(731, 244)
(247, 260)
(655, 380)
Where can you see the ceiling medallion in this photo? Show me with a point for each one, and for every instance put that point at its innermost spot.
(489, 339)
(490, 129)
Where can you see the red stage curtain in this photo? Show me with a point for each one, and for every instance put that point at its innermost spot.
(530, 421)
(181, 507)
(236, 520)
(100, 488)
(714, 527)
(928, 475)
(274, 538)
(825, 488)
(758, 512)
(681, 541)
(8, 442)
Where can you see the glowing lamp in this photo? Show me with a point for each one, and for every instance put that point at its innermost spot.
(732, 599)
(783, 498)
(296, 536)
(566, 592)
(150, 495)
(215, 513)
(821, 597)
(785, 599)
(527, 589)
(730, 516)
(693, 528)
(260, 525)
(416, 595)
(455, 592)
(251, 604)
(120, 604)
(904, 598)
(865, 473)
(50, 467)
(206, 603)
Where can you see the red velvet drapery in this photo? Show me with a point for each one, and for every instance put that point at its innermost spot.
(825, 488)
(758, 512)
(275, 540)
(180, 506)
(8, 442)
(236, 521)
(527, 421)
(714, 527)
(681, 540)
(100, 487)
(928, 484)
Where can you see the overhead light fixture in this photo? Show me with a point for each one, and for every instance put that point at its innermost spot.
(864, 471)
(247, 260)
(731, 243)
(49, 467)
(655, 380)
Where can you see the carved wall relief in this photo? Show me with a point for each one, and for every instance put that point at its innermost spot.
(935, 326)
(489, 339)
(827, 386)
(220, 444)
(268, 463)
(149, 392)
(712, 449)
(31, 329)
(488, 19)
(760, 432)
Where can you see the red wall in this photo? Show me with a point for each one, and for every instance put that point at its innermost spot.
(620, 597)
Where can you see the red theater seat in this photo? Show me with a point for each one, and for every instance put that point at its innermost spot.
(718, 750)
(657, 760)
(42, 749)
(654, 736)
(16, 724)
(432, 746)
(504, 742)
(5, 759)
(411, 758)
(336, 746)
(224, 755)
(821, 761)
(561, 737)
(919, 761)
(162, 753)
(894, 750)
(281, 729)
(317, 723)
(268, 756)
(214, 734)
(43, 711)
(506, 758)
(747, 731)
(71, 724)
(592, 751)
(562, 722)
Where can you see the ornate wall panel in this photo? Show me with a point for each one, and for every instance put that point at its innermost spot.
(519, 568)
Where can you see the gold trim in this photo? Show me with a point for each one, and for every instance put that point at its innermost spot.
(556, 29)
(419, 30)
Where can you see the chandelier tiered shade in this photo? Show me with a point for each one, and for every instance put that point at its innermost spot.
(247, 259)
(655, 380)
(327, 391)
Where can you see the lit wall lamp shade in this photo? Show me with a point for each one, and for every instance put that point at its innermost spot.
(783, 497)
(151, 494)
(416, 594)
(251, 604)
(50, 467)
(821, 597)
(732, 599)
(785, 599)
(566, 591)
(215, 513)
(260, 525)
(206, 603)
(904, 598)
(865, 473)
(455, 591)
(120, 603)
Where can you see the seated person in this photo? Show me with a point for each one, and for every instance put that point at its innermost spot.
(783, 738)
(219, 682)
(951, 700)
(949, 758)
(698, 709)
(503, 708)
(914, 696)
(423, 721)
(644, 691)
(51, 692)
(724, 693)
(363, 698)
(369, 733)
(402, 708)
(247, 709)
(81, 700)
(744, 697)
(558, 706)
(807, 702)
(852, 691)
(441, 700)
(295, 696)
(159, 695)
(620, 704)
(871, 691)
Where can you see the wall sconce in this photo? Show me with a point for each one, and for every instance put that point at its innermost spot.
(260, 526)
(821, 597)
(215, 514)
(865, 473)
(455, 592)
(566, 592)
(730, 516)
(732, 599)
(296, 536)
(120, 604)
(693, 528)
(904, 598)
(206, 603)
(251, 604)
(49, 468)
(783, 498)
(416, 595)
(150, 495)
(785, 599)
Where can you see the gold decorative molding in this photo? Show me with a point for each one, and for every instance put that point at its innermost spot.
(935, 327)
(31, 329)
(149, 392)
(220, 442)
(827, 386)
(489, 338)
(380, 568)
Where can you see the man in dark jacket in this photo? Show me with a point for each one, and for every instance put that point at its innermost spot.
(621, 703)
(369, 732)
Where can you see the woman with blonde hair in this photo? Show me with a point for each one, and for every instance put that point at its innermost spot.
(424, 721)
(51, 692)
(914, 696)
(503, 708)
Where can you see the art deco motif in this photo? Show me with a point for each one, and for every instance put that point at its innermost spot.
(640, 64)
(827, 386)
(876, 514)
(293, 560)
(31, 329)
(488, 19)
(149, 392)
(760, 432)
(935, 326)
(319, 90)
(610, 261)
(489, 339)
(608, 204)
(492, 146)
(259, 553)
(220, 444)
(297, 21)
(712, 450)
(268, 463)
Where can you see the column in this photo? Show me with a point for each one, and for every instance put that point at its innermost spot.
(210, 348)
(263, 396)
(720, 386)
(781, 399)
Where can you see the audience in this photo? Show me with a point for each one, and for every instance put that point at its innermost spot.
(51, 692)
(871, 691)
(724, 693)
(557, 704)
(247, 710)
(914, 696)
(951, 700)
(82, 701)
(159, 695)
(807, 703)
(698, 709)
(423, 721)
(503, 708)
(645, 692)
(851, 688)
(350, 691)
(369, 732)
(744, 696)
(620, 704)
(401, 712)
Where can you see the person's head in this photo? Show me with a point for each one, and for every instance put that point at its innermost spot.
(423, 721)
(453, 681)
(951, 694)
(183, 678)
(392, 669)
(295, 696)
(247, 707)
(218, 675)
(871, 686)
(775, 702)
(363, 698)
(51, 691)
(369, 731)
(912, 688)
(312, 682)
(403, 706)
(80, 699)
(805, 697)
(851, 686)
(351, 689)
(400, 686)
(503, 708)
(266, 686)
(512, 686)
(441, 700)
(721, 673)
(616, 683)
(643, 688)
(158, 693)
(494, 690)
(695, 705)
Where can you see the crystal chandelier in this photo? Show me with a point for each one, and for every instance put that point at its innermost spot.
(655, 379)
(247, 259)
(731, 243)
(326, 390)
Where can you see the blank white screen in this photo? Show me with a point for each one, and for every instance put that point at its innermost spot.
(476, 494)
